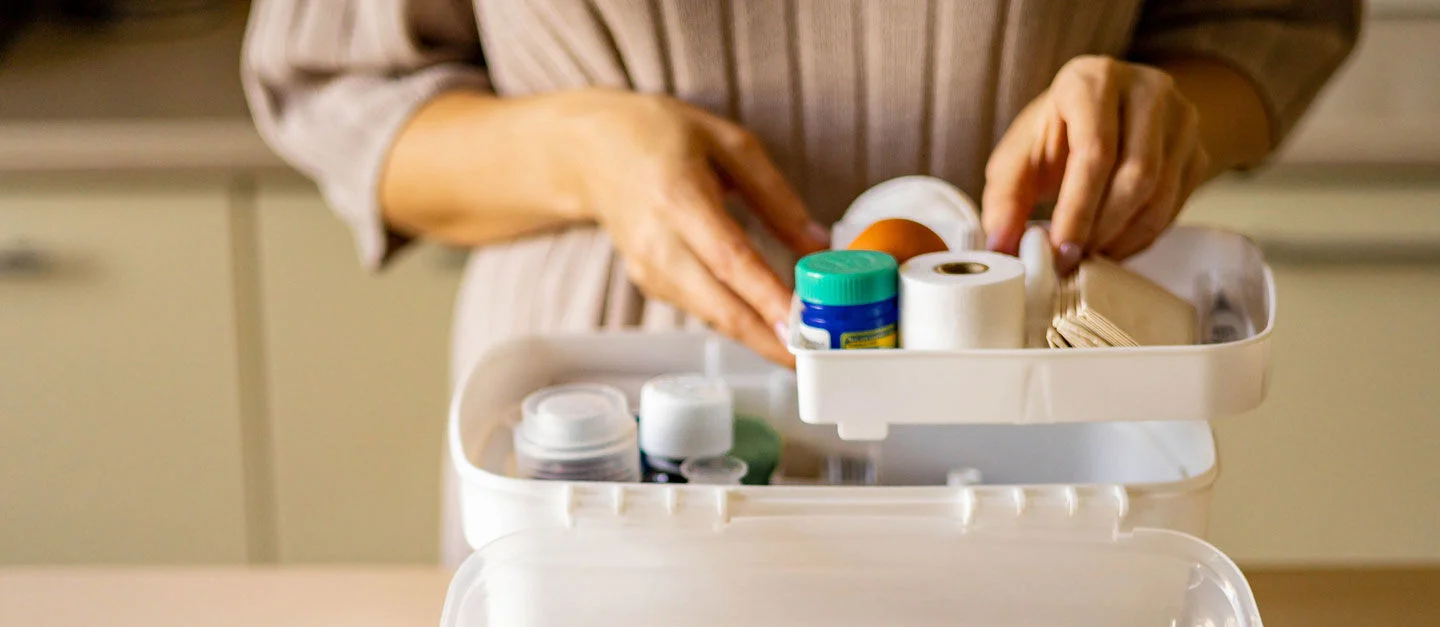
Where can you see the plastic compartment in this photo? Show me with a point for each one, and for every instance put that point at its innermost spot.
(1148, 474)
(864, 392)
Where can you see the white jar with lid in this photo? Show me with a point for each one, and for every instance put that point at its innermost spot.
(581, 432)
(684, 416)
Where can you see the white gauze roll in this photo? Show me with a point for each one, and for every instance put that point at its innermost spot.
(962, 299)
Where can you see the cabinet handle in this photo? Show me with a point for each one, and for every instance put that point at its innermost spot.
(23, 260)
(1387, 252)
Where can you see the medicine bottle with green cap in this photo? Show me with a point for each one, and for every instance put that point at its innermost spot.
(847, 299)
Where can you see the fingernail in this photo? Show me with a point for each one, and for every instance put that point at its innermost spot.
(818, 234)
(1003, 241)
(1068, 258)
(994, 242)
(782, 331)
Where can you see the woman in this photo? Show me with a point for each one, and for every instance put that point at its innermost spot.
(640, 116)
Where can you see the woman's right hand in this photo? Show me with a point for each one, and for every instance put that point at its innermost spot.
(471, 169)
(654, 173)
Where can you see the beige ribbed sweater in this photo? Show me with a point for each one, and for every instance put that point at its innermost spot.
(844, 93)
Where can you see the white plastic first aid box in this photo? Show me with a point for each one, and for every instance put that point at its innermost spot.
(1085, 519)
(1079, 524)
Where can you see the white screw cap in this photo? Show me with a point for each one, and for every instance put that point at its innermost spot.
(574, 418)
(686, 415)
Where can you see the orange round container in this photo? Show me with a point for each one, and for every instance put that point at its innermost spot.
(899, 237)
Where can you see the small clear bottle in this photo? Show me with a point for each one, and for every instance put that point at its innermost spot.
(580, 432)
(723, 470)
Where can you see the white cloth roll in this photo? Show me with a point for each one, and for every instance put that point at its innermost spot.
(962, 299)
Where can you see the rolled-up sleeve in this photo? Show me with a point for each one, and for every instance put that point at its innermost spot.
(1287, 48)
(330, 84)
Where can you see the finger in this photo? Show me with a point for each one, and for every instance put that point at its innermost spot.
(1011, 189)
(1160, 213)
(697, 213)
(698, 291)
(1142, 156)
(1049, 156)
(1090, 109)
(743, 159)
(1184, 155)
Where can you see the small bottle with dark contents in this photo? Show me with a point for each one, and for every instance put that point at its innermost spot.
(578, 432)
(681, 417)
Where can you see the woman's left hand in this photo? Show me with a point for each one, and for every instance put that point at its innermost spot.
(1114, 144)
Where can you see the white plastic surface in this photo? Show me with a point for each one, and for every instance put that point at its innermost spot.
(864, 392)
(938, 205)
(1160, 472)
(852, 572)
(1041, 284)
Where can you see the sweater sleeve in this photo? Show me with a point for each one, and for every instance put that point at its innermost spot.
(1287, 48)
(330, 84)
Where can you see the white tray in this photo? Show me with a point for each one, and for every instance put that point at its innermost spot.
(1164, 470)
(863, 392)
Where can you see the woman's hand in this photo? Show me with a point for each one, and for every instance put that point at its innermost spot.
(1115, 144)
(472, 169)
(654, 173)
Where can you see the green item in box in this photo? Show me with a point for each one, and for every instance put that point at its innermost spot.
(758, 444)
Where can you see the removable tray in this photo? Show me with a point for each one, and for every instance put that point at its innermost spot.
(1222, 273)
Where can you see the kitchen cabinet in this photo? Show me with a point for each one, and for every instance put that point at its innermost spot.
(356, 368)
(1338, 465)
(120, 434)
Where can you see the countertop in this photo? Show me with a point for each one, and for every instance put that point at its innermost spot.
(221, 596)
(400, 596)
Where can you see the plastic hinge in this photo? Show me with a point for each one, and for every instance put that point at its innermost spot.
(1072, 509)
(613, 502)
(1088, 510)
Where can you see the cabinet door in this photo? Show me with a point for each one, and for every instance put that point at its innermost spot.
(119, 422)
(1339, 464)
(357, 367)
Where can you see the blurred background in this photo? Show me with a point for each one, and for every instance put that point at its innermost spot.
(195, 370)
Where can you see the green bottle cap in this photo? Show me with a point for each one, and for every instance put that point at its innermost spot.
(846, 277)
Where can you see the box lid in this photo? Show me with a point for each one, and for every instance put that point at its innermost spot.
(1042, 563)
